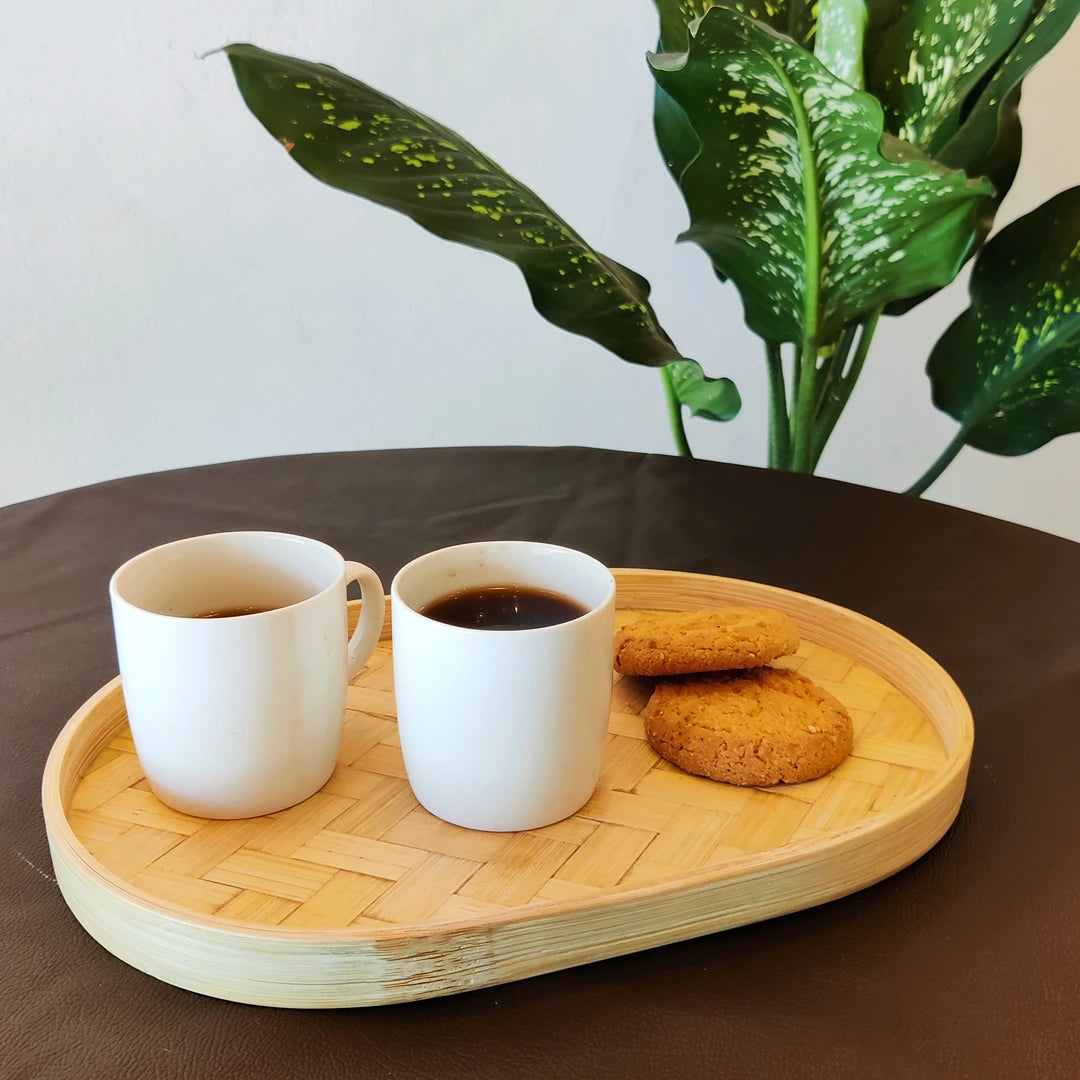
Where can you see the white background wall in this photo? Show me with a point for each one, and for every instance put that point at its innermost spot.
(174, 291)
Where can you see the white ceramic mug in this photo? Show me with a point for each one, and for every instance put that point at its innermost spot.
(239, 716)
(503, 729)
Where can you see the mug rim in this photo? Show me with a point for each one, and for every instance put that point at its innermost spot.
(301, 541)
(430, 556)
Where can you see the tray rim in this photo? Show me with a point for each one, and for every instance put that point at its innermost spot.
(939, 800)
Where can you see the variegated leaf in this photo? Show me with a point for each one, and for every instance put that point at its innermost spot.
(989, 140)
(796, 18)
(674, 136)
(841, 30)
(714, 399)
(790, 195)
(1009, 367)
(925, 64)
(356, 139)
(991, 125)
(999, 167)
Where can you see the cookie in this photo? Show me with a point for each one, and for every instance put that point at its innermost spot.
(758, 727)
(719, 639)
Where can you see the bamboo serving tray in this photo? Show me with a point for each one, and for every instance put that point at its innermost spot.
(358, 896)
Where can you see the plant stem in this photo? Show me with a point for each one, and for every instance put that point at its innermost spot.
(803, 409)
(834, 368)
(678, 431)
(943, 462)
(833, 404)
(868, 328)
(779, 432)
(796, 383)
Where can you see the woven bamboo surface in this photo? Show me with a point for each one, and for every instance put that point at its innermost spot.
(362, 862)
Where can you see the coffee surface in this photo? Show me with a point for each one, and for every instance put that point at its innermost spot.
(231, 612)
(503, 607)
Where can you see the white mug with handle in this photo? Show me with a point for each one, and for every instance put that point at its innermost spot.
(234, 658)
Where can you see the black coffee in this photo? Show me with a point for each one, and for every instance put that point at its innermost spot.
(503, 607)
(231, 612)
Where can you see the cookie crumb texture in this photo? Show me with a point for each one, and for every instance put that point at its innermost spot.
(752, 728)
(717, 639)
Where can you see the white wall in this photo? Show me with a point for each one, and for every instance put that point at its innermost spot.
(176, 292)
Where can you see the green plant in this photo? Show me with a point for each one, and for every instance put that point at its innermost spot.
(840, 161)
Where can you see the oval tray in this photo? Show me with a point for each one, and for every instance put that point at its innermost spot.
(360, 897)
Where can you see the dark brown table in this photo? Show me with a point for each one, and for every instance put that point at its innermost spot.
(967, 964)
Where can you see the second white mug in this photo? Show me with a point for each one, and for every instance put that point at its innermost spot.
(503, 729)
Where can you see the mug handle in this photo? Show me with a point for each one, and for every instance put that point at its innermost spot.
(372, 614)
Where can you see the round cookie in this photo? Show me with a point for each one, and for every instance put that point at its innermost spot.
(757, 728)
(717, 639)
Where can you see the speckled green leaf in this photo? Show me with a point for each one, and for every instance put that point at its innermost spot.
(796, 18)
(675, 137)
(354, 138)
(840, 26)
(1009, 368)
(999, 167)
(841, 29)
(989, 140)
(790, 195)
(924, 65)
(714, 399)
(990, 120)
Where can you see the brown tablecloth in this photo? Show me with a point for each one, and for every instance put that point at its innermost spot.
(967, 964)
